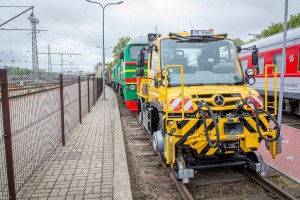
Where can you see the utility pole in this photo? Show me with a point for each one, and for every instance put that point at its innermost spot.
(49, 59)
(283, 64)
(35, 61)
(61, 58)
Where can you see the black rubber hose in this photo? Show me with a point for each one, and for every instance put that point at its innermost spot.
(205, 126)
(257, 122)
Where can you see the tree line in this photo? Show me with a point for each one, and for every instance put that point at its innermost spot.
(273, 29)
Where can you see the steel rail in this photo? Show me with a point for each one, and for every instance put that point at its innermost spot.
(183, 191)
(268, 185)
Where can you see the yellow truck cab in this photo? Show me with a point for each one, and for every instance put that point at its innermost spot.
(195, 103)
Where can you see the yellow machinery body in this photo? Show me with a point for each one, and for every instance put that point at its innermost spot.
(174, 109)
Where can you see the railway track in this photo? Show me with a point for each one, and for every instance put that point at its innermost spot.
(242, 174)
(269, 186)
(291, 120)
(151, 179)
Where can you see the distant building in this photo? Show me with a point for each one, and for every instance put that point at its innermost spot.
(98, 69)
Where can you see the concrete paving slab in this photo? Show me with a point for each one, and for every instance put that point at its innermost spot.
(93, 163)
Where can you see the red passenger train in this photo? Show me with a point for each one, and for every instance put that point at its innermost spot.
(270, 52)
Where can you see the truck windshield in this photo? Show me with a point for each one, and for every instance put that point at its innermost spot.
(204, 63)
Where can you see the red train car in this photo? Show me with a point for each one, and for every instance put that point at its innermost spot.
(270, 52)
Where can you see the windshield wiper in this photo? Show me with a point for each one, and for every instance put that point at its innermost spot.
(194, 84)
(239, 83)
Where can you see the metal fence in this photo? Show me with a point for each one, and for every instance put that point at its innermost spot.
(35, 118)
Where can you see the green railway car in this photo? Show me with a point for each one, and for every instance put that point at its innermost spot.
(123, 74)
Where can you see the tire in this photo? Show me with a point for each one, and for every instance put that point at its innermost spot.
(160, 126)
(140, 115)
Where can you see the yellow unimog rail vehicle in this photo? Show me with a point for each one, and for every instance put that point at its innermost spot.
(195, 103)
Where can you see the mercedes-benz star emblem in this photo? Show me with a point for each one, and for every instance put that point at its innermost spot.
(219, 100)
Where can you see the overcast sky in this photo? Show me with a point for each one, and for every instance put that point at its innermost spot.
(75, 26)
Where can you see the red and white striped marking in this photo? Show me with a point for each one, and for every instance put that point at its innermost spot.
(175, 104)
(257, 100)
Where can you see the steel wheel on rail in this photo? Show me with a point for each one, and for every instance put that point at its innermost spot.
(158, 138)
(140, 114)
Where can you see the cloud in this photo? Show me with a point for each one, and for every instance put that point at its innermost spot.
(76, 26)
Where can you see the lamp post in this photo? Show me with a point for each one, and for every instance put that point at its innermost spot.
(99, 47)
(103, 52)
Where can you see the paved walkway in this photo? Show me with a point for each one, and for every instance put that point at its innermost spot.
(288, 162)
(93, 163)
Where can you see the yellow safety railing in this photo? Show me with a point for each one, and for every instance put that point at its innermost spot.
(182, 88)
(275, 87)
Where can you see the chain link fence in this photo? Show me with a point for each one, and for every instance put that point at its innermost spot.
(35, 118)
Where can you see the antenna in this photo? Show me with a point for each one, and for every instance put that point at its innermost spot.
(191, 25)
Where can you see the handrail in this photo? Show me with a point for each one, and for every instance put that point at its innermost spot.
(182, 88)
(275, 87)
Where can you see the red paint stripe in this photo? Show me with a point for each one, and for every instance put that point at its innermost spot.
(178, 107)
(132, 105)
(278, 75)
(133, 63)
(171, 101)
(130, 80)
(257, 103)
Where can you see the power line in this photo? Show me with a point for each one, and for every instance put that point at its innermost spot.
(61, 57)
(19, 29)
(31, 8)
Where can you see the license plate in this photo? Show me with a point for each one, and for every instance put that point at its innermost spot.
(202, 32)
(233, 128)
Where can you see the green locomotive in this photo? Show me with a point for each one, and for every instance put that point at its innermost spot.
(122, 75)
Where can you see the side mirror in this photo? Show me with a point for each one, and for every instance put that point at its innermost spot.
(139, 71)
(250, 80)
(239, 49)
(255, 56)
(121, 56)
(141, 59)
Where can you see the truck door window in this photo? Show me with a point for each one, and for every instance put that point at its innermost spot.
(154, 58)
(244, 64)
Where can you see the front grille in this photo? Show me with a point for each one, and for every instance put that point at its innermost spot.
(208, 96)
(230, 99)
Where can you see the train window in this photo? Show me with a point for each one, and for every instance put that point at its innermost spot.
(277, 61)
(261, 64)
(134, 51)
(244, 64)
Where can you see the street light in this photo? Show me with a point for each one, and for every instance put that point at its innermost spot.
(103, 51)
(99, 47)
(102, 47)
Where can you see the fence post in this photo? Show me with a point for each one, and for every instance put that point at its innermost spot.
(88, 84)
(7, 135)
(101, 86)
(98, 89)
(94, 89)
(79, 91)
(62, 109)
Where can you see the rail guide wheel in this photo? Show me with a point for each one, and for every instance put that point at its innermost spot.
(140, 116)
(181, 171)
(256, 163)
(158, 139)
